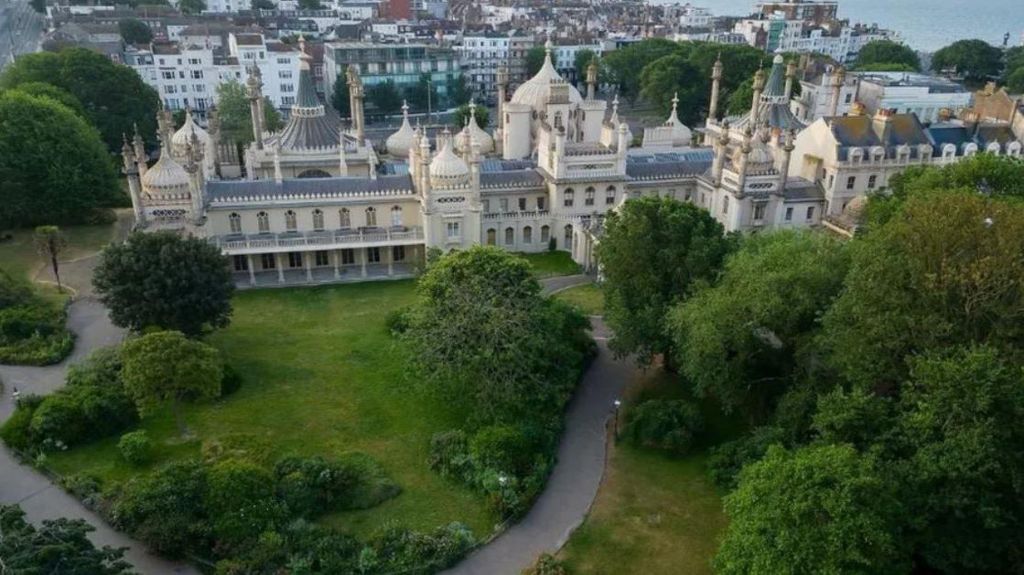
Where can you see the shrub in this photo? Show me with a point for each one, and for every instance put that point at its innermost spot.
(503, 448)
(16, 431)
(231, 381)
(398, 549)
(83, 486)
(241, 501)
(449, 454)
(546, 564)
(397, 320)
(135, 447)
(663, 424)
(312, 485)
(728, 459)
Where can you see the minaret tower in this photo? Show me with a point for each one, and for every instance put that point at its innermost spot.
(131, 172)
(591, 79)
(755, 105)
(254, 90)
(716, 84)
(502, 81)
(355, 94)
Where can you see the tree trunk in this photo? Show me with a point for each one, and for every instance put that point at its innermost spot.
(179, 419)
(56, 270)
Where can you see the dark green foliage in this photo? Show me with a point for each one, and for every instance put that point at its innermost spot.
(401, 550)
(135, 447)
(59, 546)
(32, 330)
(236, 116)
(887, 53)
(449, 455)
(503, 448)
(461, 116)
(310, 5)
(93, 404)
(976, 60)
(298, 547)
(1015, 81)
(856, 417)
(534, 60)
(728, 459)
(822, 509)
(37, 89)
(263, 5)
(166, 281)
(241, 502)
(312, 486)
(134, 31)
(114, 96)
(547, 564)
(654, 253)
(666, 424)
(397, 320)
(421, 95)
(231, 382)
(340, 97)
(384, 97)
(582, 61)
(191, 6)
(53, 165)
(16, 432)
(670, 77)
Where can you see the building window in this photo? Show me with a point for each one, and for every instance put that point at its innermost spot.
(831, 178)
(345, 218)
(321, 258)
(569, 197)
(486, 205)
(810, 213)
(510, 236)
(872, 182)
(851, 182)
(527, 235)
(371, 217)
(588, 197)
(398, 253)
(789, 214)
(568, 236)
(492, 237)
(725, 204)
(236, 223)
(268, 261)
(295, 259)
(454, 231)
(541, 200)
(522, 204)
(318, 220)
(545, 234)
(759, 210)
(348, 257)
(263, 221)
(504, 205)
(241, 263)
(289, 221)
(396, 216)
(373, 255)
(609, 196)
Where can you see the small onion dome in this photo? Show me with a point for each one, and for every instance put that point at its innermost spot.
(446, 168)
(536, 90)
(759, 160)
(181, 139)
(398, 144)
(473, 133)
(165, 176)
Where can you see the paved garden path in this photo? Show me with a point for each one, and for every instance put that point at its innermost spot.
(573, 485)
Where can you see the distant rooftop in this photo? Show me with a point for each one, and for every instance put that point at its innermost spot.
(935, 84)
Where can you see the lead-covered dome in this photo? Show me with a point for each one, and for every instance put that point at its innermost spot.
(535, 91)
(165, 177)
(183, 137)
(473, 133)
(399, 143)
(446, 168)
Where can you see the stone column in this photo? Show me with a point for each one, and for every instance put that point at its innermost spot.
(716, 80)
(252, 269)
(389, 256)
(308, 264)
(362, 260)
(334, 261)
(280, 267)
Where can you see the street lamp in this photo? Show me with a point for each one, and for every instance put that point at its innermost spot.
(618, 404)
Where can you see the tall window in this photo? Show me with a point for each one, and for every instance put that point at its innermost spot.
(541, 203)
(454, 231)
(398, 253)
(318, 220)
(725, 205)
(504, 205)
(589, 197)
(545, 234)
(348, 257)
(486, 205)
(609, 196)
(568, 236)
(241, 263)
(569, 197)
(872, 181)
(295, 259)
(263, 221)
(396, 216)
(371, 217)
(268, 261)
(492, 237)
(527, 235)
(345, 218)
(372, 255)
(789, 214)
(236, 223)
(759, 212)
(810, 213)
(289, 221)
(522, 204)
(851, 182)
(321, 258)
(510, 236)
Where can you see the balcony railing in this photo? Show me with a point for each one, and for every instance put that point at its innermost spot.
(517, 215)
(324, 239)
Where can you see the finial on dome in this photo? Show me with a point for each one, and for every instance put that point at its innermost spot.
(405, 108)
(675, 101)
(472, 108)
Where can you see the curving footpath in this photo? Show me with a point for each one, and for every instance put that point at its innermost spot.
(571, 489)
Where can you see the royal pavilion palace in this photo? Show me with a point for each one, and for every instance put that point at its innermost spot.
(321, 203)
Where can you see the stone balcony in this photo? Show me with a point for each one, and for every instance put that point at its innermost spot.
(239, 244)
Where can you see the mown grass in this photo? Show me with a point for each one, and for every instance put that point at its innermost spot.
(552, 263)
(18, 255)
(654, 514)
(320, 377)
(588, 298)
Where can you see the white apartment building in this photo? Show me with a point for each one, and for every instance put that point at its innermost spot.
(187, 76)
(481, 55)
(695, 17)
(227, 5)
(565, 58)
(908, 93)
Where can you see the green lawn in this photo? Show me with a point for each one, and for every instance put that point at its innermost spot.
(321, 377)
(18, 255)
(550, 264)
(654, 514)
(589, 298)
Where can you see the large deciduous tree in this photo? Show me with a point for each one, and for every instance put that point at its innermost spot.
(739, 341)
(340, 97)
(820, 509)
(653, 253)
(236, 116)
(669, 77)
(167, 367)
(50, 244)
(58, 546)
(534, 60)
(461, 116)
(53, 165)
(114, 97)
(165, 281)
(887, 52)
(977, 60)
(385, 97)
(134, 31)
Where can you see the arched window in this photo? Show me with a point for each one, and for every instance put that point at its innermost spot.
(569, 197)
(371, 217)
(289, 221)
(609, 196)
(345, 218)
(396, 216)
(314, 174)
(492, 237)
(318, 220)
(527, 235)
(568, 236)
(589, 196)
(545, 234)
(235, 221)
(263, 222)
(993, 148)
(510, 236)
(725, 204)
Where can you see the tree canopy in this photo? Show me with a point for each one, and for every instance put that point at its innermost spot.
(54, 167)
(887, 53)
(114, 97)
(654, 253)
(58, 546)
(976, 60)
(191, 6)
(235, 115)
(165, 281)
(582, 61)
(340, 97)
(534, 60)
(385, 97)
(461, 116)
(669, 77)
(134, 31)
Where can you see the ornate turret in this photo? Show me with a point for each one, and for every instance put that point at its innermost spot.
(131, 172)
(140, 150)
(355, 94)
(838, 79)
(398, 144)
(756, 103)
(716, 81)
(591, 79)
(254, 91)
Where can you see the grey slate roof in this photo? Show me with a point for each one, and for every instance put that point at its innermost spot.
(305, 188)
(668, 165)
(798, 189)
(865, 132)
(530, 178)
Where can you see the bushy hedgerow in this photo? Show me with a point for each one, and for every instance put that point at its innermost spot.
(16, 431)
(135, 447)
(32, 330)
(670, 425)
(728, 459)
(546, 564)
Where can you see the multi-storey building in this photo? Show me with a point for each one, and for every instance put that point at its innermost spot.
(920, 94)
(481, 55)
(811, 11)
(402, 64)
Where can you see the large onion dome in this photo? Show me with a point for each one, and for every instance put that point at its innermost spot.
(447, 169)
(399, 143)
(535, 91)
(473, 133)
